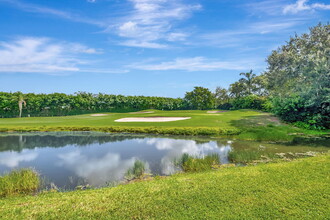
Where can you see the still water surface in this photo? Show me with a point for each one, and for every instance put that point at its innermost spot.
(68, 159)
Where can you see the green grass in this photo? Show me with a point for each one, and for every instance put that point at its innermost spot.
(286, 190)
(17, 182)
(190, 163)
(247, 156)
(244, 124)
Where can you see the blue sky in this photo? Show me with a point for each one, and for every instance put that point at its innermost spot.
(143, 47)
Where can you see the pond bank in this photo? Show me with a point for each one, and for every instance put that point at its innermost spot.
(277, 190)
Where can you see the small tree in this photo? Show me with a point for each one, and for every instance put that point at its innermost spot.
(221, 96)
(237, 89)
(200, 98)
(248, 81)
(21, 102)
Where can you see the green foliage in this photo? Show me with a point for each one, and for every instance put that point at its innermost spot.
(137, 171)
(250, 102)
(221, 97)
(17, 182)
(293, 109)
(190, 163)
(200, 98)
(244, 156)
(248, 85)
(298, 79)
(248, 81)
(237, 89)
(248, 156)
(60, 104)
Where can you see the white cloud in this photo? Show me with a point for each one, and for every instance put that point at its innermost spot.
(144, 44)
(148, 24)
(13, 159)
(152, 21)
(271, 26)
(302, 5)
(197, 64)
(41, 55)
(33, 8)
(175, 148)
(270, 7)
(96, 170)
(253, 32)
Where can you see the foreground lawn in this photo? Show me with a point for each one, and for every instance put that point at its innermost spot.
(245, 124)
(287, 190)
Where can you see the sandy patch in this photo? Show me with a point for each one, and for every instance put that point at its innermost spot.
(152, 119)
(143, 112)
(98, 115)
(213, 112)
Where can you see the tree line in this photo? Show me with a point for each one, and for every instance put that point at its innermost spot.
(295, 86)
(18, 104)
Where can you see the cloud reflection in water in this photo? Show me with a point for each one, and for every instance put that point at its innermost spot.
(96, 170)
(175, 148)
(12, 159)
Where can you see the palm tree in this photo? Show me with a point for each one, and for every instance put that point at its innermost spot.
(21, 101)
(248, 81)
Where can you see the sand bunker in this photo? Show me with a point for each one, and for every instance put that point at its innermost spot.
(152, 119)
(213, 112)
(143, 112)
(97, 115)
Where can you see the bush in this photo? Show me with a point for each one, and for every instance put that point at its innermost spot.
(295, 110)
(24, 181)
(251, 102)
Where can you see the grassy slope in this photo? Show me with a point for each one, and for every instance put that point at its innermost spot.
(287, 190)
(252, 123)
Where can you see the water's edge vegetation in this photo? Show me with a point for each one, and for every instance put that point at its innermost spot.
(280, 190)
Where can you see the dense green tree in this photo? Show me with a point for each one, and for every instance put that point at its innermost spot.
(260, 85)
(221, 96)
(298, 78)
(58, 104)
(200, 98)
(237, 89)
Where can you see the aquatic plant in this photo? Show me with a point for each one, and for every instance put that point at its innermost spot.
(137, 171)
(190, 163)
(24, 181)
(248, 156)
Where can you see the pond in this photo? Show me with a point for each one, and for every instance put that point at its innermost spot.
(69, 159)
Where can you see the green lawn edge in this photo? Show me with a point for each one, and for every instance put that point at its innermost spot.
(287, 190)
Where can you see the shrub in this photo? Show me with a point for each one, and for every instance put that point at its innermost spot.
(295, 110)
(251, 102)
